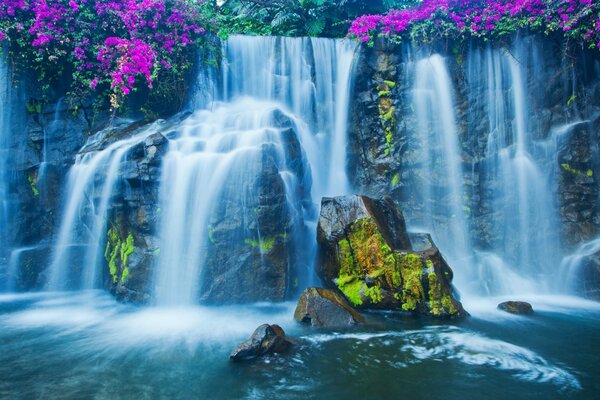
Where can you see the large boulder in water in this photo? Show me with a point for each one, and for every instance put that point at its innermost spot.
(516, 307)
(325, 308)
(365, 251)
(266, 339)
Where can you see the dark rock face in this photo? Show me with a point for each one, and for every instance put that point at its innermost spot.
(266, 339)
(372, 271)
(559, 90)
(252, 253)
(325, 308)
(131, 243)
(516, 307)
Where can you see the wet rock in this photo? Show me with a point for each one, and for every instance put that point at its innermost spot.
(516, 307)
(366, 254)
(588, 279)
(266, 339)
(325, 308)
(252, 254)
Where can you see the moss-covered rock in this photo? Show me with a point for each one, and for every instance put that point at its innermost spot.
(374, 272)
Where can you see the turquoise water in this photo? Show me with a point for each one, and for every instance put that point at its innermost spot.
(83, 345)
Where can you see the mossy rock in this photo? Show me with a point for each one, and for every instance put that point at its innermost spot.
(372, 272)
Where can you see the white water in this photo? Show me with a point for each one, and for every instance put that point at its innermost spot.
(222, 150)
(5, 110)
(77, 260)
(270, 85)
(311, 77)
(520, 167)
(436, 138)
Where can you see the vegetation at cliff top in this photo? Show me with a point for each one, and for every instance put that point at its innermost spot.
(433, 19)
(114, 48)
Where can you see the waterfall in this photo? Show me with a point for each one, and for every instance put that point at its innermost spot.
(311, 77)
(12, 107)
(276, 91)
(91, 185)
(521, 172)
(240, 182)
(440, 190)
(491, 203)
(5, 103)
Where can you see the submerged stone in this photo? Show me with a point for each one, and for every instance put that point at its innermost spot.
(266, 339)
(516, 307)
(366, 253)
(325, 308)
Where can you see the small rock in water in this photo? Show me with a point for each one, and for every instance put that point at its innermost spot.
(516, 307)
(325, 308)
(266, 339)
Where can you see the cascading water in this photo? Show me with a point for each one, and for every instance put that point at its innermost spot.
(506, 199)
(311, 77)
(78, 251)
(250, 171)
(11, 114)
(304, 82)
(436, 138)
(5, 88)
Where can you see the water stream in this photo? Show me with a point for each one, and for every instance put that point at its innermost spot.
(278, 112)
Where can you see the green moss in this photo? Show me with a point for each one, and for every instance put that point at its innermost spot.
(33, 178)
(384, 93)
(435, 294)
(117, 253)
(448, 304)
(390, 84)
(126, 249)
(412, 289)
(34, 107)
(568, 168)
(373, 293)
(265, 244)
(351, 287)
(395, 179)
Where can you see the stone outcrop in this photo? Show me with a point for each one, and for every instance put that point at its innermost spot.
(252, 252)
(369, 258)
(325, 308)
(266, 339)
(516, 307)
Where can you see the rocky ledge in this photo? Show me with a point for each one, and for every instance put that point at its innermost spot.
(366, 253)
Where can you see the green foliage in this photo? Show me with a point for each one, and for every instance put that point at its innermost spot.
(117, 253)
(327, 18)
(33, 178)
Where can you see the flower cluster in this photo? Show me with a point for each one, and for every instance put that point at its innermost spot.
(577, 19)
(114, 43)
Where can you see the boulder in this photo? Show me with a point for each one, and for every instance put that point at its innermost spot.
(516, 307)
(366, 253)
(266, 339)
(325, 308)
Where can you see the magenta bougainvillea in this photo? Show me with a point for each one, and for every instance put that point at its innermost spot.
(116, 43)
(577, 19)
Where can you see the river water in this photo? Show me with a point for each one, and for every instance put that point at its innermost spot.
(85, 345)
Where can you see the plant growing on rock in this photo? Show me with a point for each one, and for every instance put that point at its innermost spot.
(576, 19)
(112, 47)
